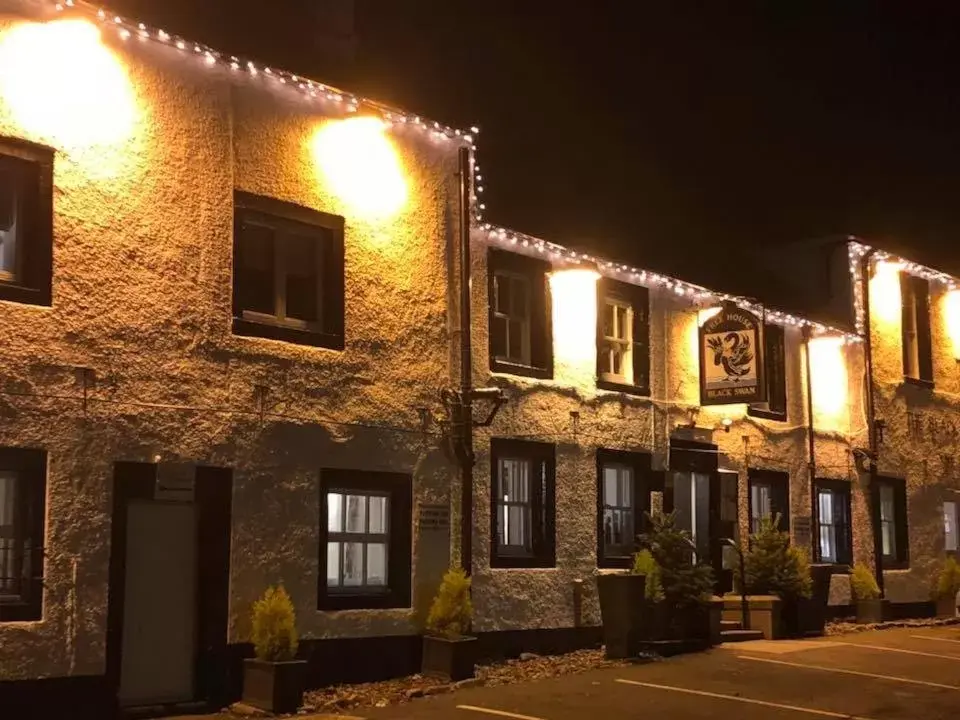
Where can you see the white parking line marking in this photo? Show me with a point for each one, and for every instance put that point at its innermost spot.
(844, 671)
(500, 713)
(928, 637)
(904, 651)
(751, 701)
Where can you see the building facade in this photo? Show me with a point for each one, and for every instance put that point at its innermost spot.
(229, 299)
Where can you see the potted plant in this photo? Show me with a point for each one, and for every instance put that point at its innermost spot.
(447, 651)
(274, 679)
(948, 585)
(772, 566)
(621, 597)
(866, 595)
(680, 621)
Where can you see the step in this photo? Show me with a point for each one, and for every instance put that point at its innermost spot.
(740, 635)
(731, 625)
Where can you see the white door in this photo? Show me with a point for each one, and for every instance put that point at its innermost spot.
(159, 622)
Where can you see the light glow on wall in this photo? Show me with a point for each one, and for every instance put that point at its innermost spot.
(358, 161)
(705, 314)
(951, 320)
(885, 300)
(829, 383)
(574, 295)
(63, 86)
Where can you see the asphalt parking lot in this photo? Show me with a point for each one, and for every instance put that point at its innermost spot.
(902, 674)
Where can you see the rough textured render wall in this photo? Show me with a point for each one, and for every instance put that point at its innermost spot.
(926, 457)
(507, 599)
(142, 296)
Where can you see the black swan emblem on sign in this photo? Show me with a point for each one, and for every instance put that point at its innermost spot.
(732, 351)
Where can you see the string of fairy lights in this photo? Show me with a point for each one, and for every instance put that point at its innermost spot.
(347, 102)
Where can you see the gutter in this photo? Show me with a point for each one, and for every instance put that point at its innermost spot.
(465, 406)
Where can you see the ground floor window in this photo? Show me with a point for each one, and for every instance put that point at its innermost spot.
(522, 512)
(892, 495)
(22, 499)
(769, 498)
(623, 498)
(365, 533)
(833, 522)
(950, 519)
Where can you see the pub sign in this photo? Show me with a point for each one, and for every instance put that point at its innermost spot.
(731, 358)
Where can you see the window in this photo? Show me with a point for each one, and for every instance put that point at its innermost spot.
(623, 498)
(520, 337)
(833, 522)
(950, 519)
(522, 504)
(288, 272)
(22, 496)
(917, 354)
(26, 222)
(365, 540)
(769, 497)
(775, 375)
(623, 337)
(892, 497)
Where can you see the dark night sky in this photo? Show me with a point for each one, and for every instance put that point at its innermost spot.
(644, 128)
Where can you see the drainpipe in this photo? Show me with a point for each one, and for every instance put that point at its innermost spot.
(874, 502)
(465, 406)
(811, 449)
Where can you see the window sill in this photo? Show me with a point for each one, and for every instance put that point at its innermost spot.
(625, 388)
(766, 414)
(248, 328)
(15, 611)
(361, 601)
(615, 563)
(503, 366)
(918, 382)
(895, 564)
(11, 292)
(513, 563)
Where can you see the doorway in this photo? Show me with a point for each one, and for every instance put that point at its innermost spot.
(168, 587)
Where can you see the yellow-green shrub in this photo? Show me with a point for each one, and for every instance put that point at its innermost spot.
(948, 584)
(452, 611)
(644, 564)
(274, 626)
(863, 585)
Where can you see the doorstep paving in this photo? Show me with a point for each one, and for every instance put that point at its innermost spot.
(734, 680)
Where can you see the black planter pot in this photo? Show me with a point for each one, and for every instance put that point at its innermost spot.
(276, 687)
(872, 611)
(802, 617)
(449, 658)
(946, 607)
(621, 610)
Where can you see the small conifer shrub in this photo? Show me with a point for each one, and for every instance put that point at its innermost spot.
(452, 611)
(274, 626)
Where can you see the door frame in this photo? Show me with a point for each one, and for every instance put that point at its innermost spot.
(213, 493)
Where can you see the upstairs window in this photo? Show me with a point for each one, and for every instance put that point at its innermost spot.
(26, 222)
(835, 543)
(522, 512)
(917, 354)
(623, 496)
(894, 538)
(288, 272)
(521, 341)
(769, 497)
(623, 337)
(22, 496)
(774, 374)
(365, 540)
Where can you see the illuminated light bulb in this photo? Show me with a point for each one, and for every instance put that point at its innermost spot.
(142, 26)
(181, 45)
(210, 59)
(117, 20)
(69, 3)
(163, 36)
(58, 7)
(124, 34)
(234, 65)
(101, 14)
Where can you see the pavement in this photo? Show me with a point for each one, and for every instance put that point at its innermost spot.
(902, 674)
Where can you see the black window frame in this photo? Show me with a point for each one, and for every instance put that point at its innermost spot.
(33, 163)
(638, 298)
(915, 298)
(30, 465)
(779, 484)
(263, 210)
(543, 503)
(900, 559)
(774, 375)
(540, 325)
(641, 464)
(399, 488)
(845, 549)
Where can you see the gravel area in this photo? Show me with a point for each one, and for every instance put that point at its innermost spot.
(845, 627)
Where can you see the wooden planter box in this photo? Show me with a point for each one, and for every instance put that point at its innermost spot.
(667, 631)
(449, 658)
(764, 611)
(946, 607)
(276, 687)
(872, 611)
(622, 605)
